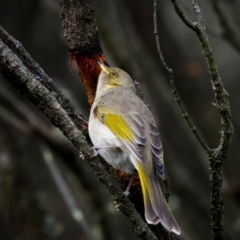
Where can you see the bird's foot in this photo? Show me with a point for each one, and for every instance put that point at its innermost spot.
(127, 191)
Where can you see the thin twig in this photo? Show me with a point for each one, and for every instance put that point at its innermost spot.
(171, 77)
(210, 30)
(217, 155)
(181, 14)
(221, 95)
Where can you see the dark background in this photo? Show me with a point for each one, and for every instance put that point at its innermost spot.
(31, 204)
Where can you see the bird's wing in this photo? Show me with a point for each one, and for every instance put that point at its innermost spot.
(156, 148)
(133, 132)
(125, 127)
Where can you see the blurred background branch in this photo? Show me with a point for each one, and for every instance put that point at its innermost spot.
(229, 33)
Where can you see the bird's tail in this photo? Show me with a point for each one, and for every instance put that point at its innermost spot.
(156, 208)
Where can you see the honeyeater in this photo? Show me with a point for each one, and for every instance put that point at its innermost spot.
(124, 132)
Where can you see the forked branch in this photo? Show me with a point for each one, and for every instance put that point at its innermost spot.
(216, 155)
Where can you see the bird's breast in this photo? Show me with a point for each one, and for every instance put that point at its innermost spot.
(109, 146)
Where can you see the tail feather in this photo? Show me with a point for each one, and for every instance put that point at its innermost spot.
(156, 208)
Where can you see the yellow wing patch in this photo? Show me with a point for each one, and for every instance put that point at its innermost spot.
(115, 123)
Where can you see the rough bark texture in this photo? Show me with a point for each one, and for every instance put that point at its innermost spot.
(82, 37)
(80, 27)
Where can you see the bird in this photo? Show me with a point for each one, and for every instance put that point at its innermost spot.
(123, 131)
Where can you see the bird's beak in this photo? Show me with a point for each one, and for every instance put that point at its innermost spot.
(103, 67)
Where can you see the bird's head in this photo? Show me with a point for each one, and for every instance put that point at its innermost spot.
(110, 78)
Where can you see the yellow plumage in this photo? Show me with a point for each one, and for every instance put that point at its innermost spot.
(118, 126)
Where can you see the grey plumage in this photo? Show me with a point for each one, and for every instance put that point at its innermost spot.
(132, 141)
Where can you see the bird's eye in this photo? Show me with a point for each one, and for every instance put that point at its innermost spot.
(113, 74)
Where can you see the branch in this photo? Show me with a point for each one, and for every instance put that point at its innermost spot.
(81, 34)
(171, 77)
(34, 67)
(220, 92)
(28, 84)
(218, 155)
(61, 148)
(211, 31)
